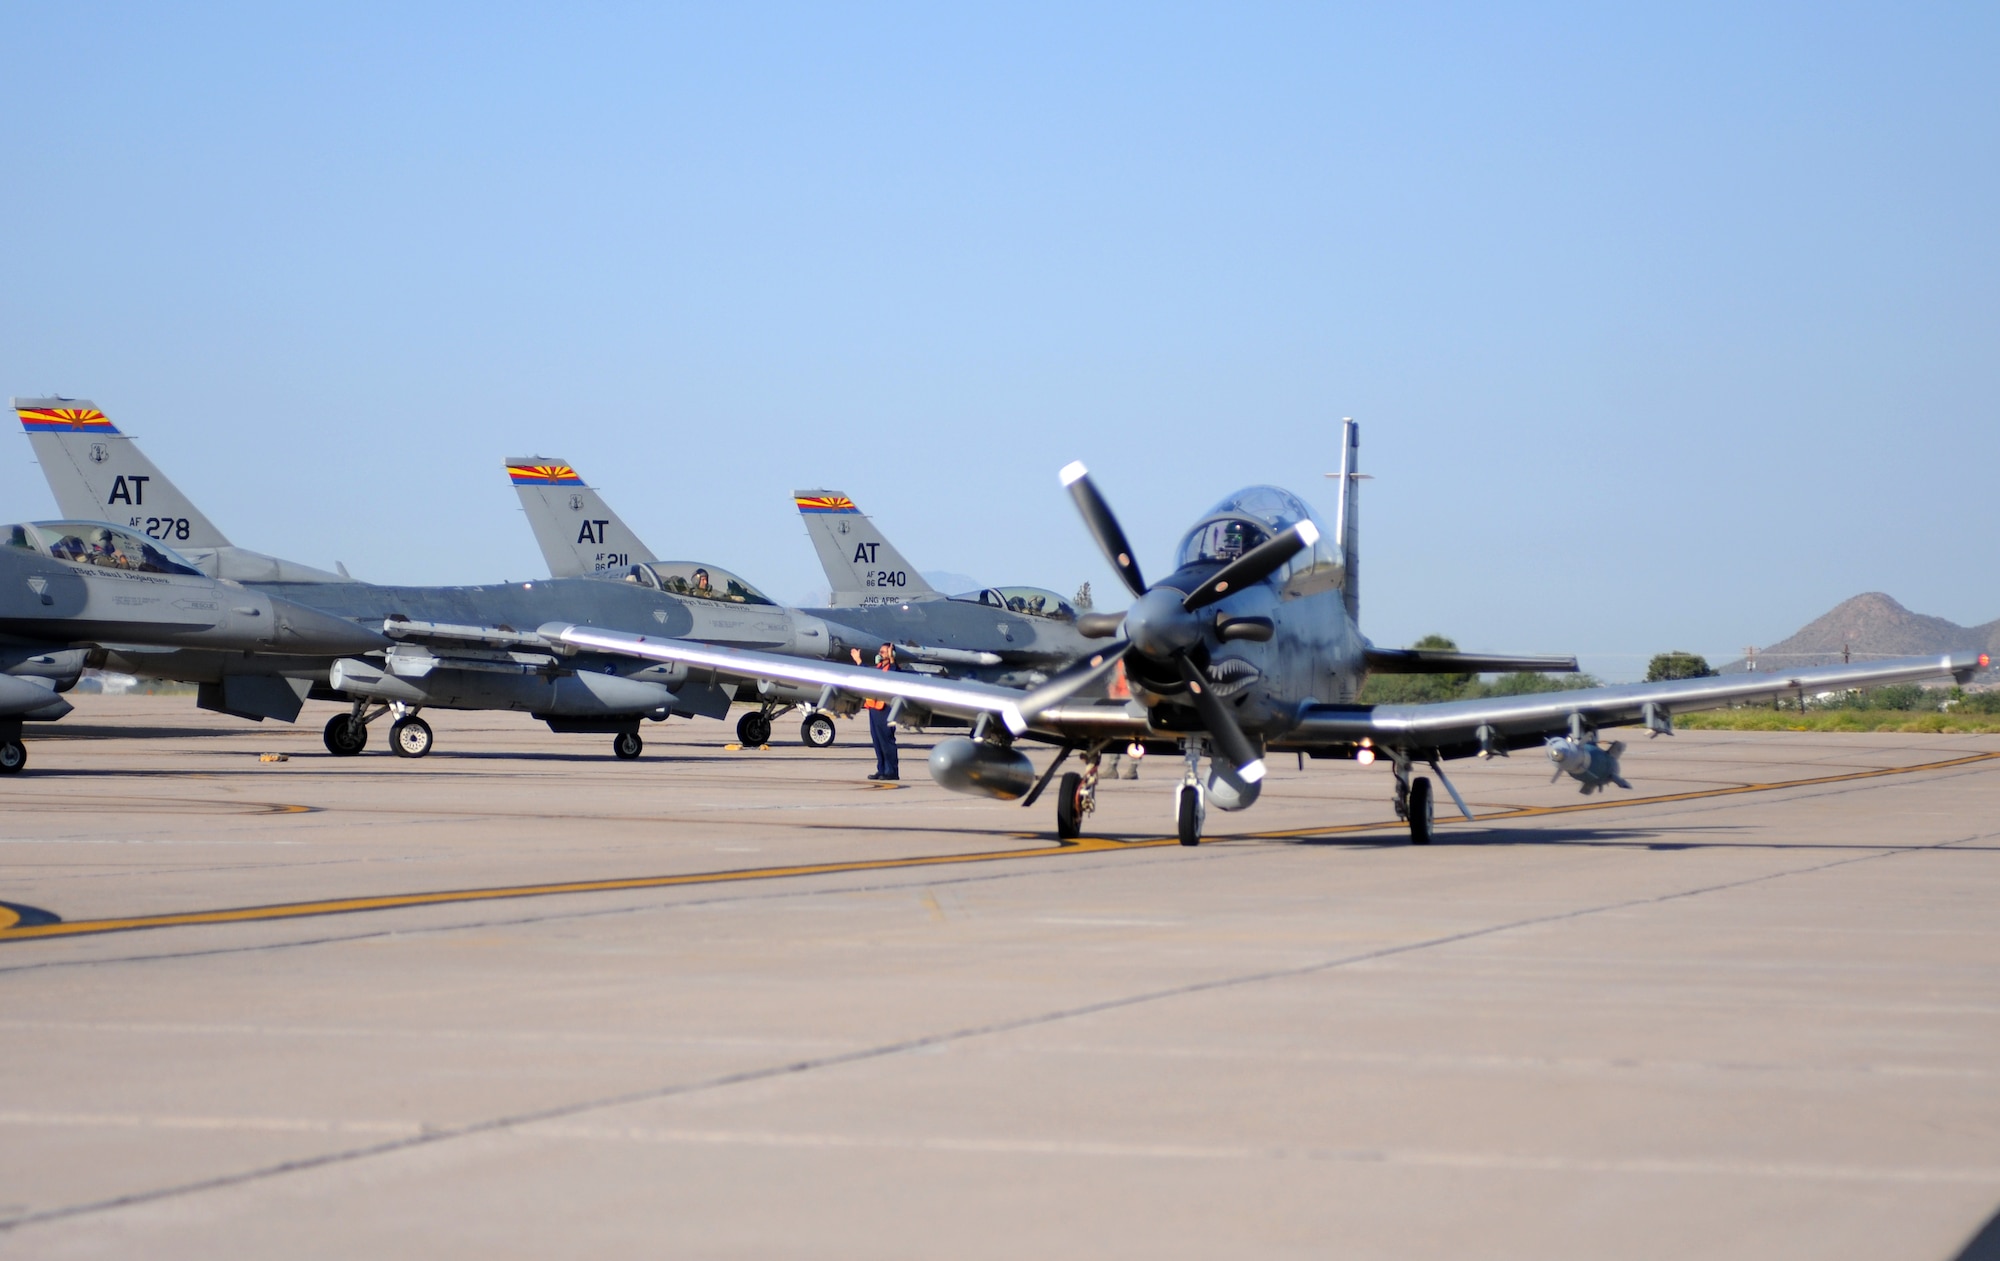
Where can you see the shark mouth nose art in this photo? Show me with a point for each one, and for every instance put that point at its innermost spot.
(1230, 676)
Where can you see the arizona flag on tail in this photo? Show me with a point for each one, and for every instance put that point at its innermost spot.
(543, 475)
(84, 419)
(824, 503)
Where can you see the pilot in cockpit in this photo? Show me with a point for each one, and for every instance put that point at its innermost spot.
(1230, 540)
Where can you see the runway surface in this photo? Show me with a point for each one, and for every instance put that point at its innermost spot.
(521, 997)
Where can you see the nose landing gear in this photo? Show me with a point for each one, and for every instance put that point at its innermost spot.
(1190, 802)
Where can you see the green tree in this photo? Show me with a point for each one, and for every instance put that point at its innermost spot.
(1082, 601)
(1678, 665)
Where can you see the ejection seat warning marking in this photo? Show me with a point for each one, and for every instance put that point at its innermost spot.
(22, 927)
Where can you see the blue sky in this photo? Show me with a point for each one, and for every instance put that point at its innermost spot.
(1668, 326)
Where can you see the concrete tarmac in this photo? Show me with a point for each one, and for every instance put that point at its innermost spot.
(521, 998)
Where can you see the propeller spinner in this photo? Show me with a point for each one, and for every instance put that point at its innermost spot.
(1161, 624)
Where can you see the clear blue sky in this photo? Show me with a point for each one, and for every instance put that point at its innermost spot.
(1668, 326)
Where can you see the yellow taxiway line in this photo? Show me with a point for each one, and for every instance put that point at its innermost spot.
(12, 929)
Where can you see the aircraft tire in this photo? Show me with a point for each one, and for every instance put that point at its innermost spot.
(1189, 814)
(817, 731)
(1069, 818)
(410, 737)
(1420, 810)
(753, 730)
(627, 745)
(344, 736)
(13, 757)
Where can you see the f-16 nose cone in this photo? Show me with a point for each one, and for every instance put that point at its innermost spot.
(313, 633)
(1158, 626)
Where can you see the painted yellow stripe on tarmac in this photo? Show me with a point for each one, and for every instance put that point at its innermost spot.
(12, 930)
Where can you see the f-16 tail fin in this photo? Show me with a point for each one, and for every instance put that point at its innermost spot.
(99, 474)
(861, 566)
(578, 533)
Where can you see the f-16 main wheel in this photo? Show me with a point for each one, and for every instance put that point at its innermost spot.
(1420, 810)
(1069, 807)
(1190, 815)
(627, 745)
(753, 729)
(410, 737)
(344, 736)
(816, 731)
(13, 756)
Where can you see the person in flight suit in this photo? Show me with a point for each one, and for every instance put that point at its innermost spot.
(879, 729)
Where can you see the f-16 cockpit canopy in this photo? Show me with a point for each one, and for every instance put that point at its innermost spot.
(699, 582)
(100, 545)
(1250, 517)
(1027, 601)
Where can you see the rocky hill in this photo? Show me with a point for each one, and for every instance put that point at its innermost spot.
(1870, 626)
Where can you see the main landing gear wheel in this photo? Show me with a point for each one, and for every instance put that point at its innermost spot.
(344, 736)
(410, 737)
(1420, 810)
(753, 729)
(13, 756)
(1069, 807)
(816, 731)
(627, 745)
(1189, 813)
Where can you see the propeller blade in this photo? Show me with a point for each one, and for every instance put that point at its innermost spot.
(1253, 566)
(1103, 525)
(1073, 679)
(1221, 724)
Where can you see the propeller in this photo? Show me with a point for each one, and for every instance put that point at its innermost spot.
(1161, 624)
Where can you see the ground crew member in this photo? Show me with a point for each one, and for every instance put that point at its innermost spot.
(879, 728)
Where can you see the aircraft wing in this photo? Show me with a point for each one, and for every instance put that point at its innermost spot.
(1497, 724)
(963, 698)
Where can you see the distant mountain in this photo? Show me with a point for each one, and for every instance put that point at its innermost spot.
(1868, 627)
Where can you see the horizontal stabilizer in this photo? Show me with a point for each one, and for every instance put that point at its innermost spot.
(1434, 661)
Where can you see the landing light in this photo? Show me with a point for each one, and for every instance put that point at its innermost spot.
(1135, 750)
(1364, 755)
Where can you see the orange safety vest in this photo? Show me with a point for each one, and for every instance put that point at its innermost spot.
(879, 665)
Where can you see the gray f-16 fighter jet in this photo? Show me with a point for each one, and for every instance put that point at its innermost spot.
(1012, 636)
(454, 647)
(1251, 646)
(71, 588)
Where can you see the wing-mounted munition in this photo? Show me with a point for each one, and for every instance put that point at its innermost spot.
(1587, 762)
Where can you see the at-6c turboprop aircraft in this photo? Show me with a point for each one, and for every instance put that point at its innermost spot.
(1251, 646)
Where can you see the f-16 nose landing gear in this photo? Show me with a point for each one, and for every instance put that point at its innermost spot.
(410, 736)
(817, 731)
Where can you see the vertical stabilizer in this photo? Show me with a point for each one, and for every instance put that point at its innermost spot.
(861, 566)
(99, 474)
(577, 532)
(1347, 520)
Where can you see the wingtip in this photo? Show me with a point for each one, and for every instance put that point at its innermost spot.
(1074, 472)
